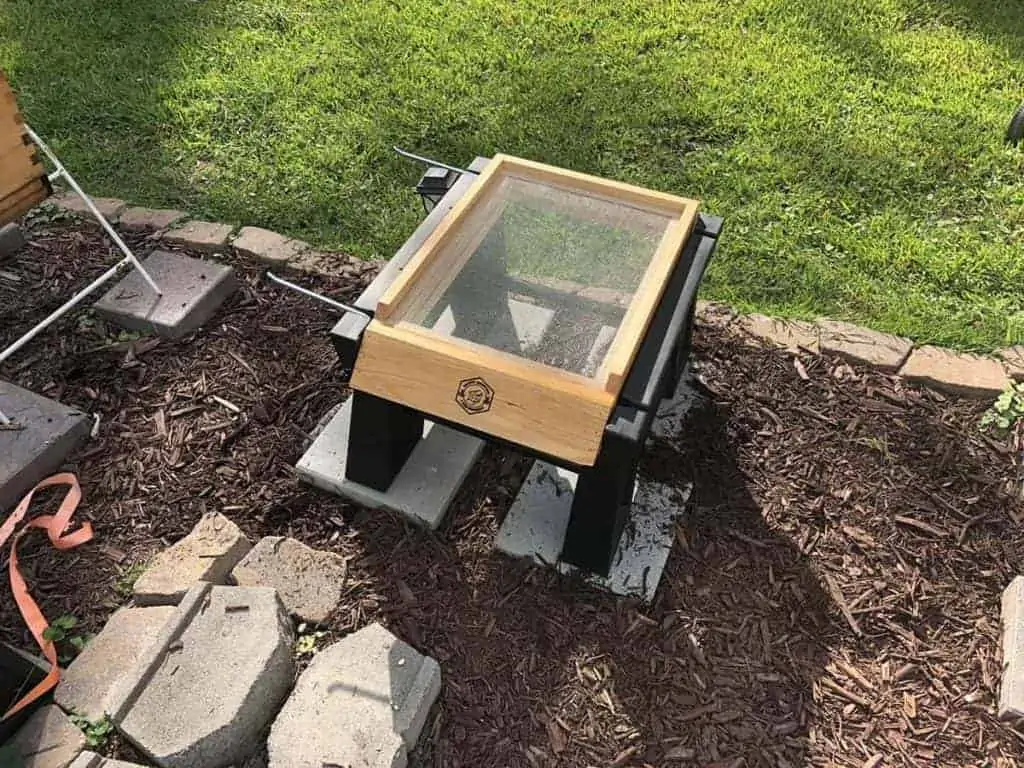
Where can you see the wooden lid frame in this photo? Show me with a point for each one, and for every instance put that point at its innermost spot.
(557, 412)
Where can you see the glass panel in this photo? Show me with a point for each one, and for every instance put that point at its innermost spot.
(550, 273)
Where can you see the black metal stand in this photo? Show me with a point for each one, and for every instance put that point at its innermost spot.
(381, 437)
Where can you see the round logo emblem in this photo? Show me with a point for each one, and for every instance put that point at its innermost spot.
(474, 395)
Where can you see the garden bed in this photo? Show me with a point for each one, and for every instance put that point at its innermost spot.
(833, 593)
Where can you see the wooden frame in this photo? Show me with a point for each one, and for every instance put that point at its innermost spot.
(23, 179)
(553, 411)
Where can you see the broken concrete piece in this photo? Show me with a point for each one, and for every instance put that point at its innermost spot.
(1011, 691)
(862, 345)
(208, 553)
(210, 686)
(361, 702)
(308, 581)
(956, 372)
(49, 739)
(191, 291)
(86, 686)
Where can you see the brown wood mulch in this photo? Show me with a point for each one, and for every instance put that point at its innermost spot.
(832, 598)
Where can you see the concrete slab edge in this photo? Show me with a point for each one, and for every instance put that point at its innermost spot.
(132, 684)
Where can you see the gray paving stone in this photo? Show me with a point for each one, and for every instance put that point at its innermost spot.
(1011, 691)
(46, 433)
(862, 345)
(956, 372)
(49, 739)
(308, 581)
(208, 553)
(11, 240)
(361, 702)
(92, 760)
(423, 489)
(207, 236)
(268, 246)
(110, 207)
(213, 681)
(86, 686)
(193, 291)
(149, 219)
(535, 527)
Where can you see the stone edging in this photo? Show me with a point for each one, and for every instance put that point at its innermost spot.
(945, 370)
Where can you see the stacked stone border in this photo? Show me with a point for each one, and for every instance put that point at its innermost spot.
(946, 370)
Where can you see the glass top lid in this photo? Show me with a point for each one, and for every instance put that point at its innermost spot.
(541, 270)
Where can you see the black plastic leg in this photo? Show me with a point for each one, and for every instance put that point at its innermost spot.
(380, 438)
(601, 506)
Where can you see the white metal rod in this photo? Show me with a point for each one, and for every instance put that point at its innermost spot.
(62, 172)
(305, 292)
(63, 309)
(4, 421)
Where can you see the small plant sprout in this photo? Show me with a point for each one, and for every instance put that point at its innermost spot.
(1007, 411)
(59, 633)
(96, 733)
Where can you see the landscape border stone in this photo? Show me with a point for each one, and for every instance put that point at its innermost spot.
(883, 351)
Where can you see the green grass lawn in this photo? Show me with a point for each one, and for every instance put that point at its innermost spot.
(853, 146)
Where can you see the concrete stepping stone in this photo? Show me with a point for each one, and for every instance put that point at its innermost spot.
(192, 290)
(92, 760)
(211, 684)
(361, 702)
(208, 553)
(49, 739)
(44, 433)
(308, 581)
(86, 686)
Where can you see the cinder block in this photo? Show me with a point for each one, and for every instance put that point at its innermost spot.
(43, 434)
(308, 581)
(1011, 691)
(212, 682)
(423, 489)
(193, 291)
(86, 685)
(213, 547)
(48, 740)
(535, 527)
(361, 702)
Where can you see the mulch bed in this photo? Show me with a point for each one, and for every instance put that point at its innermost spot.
(832, 598)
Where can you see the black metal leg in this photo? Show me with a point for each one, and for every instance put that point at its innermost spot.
(601, 506)
(381, 436)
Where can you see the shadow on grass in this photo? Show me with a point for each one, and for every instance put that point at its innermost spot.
(539, 668)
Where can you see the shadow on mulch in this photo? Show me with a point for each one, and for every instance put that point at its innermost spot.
(541, 670)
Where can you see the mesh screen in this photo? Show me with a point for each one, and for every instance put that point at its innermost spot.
(549, 275)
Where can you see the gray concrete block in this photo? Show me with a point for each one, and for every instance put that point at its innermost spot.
(535, 527)
(49, 739)
(423, 489)
(110, 207)
(44, 433)
(207, 236)
(309, 582)
(86, 686)
(268, 246)
(149, 219)
(361, 702)
(192, 289)
(214, 546)
(1011, 690)
(213, 681)
(92, 760)
(11, 240)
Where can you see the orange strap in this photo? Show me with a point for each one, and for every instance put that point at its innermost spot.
(54, 525)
